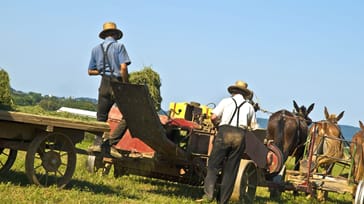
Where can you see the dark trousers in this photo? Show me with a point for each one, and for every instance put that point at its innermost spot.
(106, 100)
(229, 146)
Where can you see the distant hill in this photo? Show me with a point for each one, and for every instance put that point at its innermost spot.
(347, 130)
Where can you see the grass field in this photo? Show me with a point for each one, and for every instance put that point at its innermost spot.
(96, 188)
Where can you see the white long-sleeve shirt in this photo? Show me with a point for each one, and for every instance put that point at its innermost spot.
(225, 110)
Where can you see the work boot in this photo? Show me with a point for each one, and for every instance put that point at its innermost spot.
(115, 153)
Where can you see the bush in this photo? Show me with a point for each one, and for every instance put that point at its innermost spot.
(152, 80)
(5, 94)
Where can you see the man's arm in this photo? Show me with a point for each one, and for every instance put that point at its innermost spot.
(92, 72)
(124, 72)
(215, 119)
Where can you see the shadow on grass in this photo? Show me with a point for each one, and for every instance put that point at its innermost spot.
(168, 188)
(21, 179)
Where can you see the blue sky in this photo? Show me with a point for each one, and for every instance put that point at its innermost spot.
(308, 51)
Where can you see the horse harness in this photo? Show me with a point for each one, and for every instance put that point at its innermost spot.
(298, 130)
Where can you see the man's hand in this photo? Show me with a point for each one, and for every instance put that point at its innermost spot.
(92, 72)
(256, 107)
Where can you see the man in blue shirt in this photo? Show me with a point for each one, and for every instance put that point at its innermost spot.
(110, 60)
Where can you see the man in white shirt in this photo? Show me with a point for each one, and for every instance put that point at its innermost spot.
(234, 115)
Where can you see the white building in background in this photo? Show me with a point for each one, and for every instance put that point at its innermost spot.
(76, 111)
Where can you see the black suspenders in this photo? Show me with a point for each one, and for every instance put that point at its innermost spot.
(106, 59)
(237, 109)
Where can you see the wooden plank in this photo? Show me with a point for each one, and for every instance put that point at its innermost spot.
(54, 121)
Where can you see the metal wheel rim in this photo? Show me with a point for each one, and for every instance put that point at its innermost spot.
(279, 155)
(7, 159)
(248, 185)
(50, 160)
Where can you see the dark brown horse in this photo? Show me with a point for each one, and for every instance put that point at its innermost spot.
(357, 151)
(328, 146)
(288, 130)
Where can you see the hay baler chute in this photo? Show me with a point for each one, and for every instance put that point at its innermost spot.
(143, 121)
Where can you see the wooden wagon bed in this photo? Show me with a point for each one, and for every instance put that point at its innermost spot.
(51, 121)
(49, 143)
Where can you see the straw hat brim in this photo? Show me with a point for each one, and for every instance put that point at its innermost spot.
(244, 91)
(103, 34)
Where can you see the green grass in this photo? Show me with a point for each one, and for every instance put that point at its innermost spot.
(97, 188)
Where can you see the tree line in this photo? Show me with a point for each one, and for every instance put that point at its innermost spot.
(10, 98)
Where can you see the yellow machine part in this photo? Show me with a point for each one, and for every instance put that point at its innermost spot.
(188, 111)
(178, 110)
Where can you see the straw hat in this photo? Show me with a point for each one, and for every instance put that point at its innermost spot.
(110, 28)
(242, 88)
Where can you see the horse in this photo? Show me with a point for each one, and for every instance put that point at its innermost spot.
(288, 130)
(357, 151)
(328, 146)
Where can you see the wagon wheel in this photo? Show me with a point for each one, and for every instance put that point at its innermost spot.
(94, 163)
(246, 182)
(359, 195)
(51, 160)
(7, 159)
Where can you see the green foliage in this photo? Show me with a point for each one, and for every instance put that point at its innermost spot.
(51, 103)
(152, 80)
(26, 99)
(5, 96)
(54, 103)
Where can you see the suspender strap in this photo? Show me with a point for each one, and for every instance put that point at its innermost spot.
(237, 109)
(106, 59)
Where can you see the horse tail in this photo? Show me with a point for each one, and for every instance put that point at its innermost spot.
(280, 134)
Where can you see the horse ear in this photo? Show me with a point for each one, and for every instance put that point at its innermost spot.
(296, 106)
(326, 113)
(310, 108)
(361, 125)
(340, 116)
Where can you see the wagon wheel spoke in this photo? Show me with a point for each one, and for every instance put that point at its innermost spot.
(60, 173)
(7, 159)
(51, 160)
